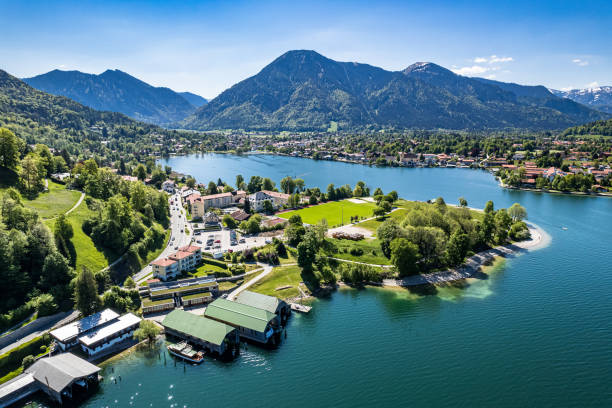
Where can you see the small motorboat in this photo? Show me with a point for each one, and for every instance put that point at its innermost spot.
(186, 352)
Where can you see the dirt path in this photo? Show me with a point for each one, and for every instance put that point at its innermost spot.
(75, 206)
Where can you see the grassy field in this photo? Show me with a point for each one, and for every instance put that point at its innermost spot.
(372, 254)
(333, 211)
(372, 225)
(279, 277)
(87, 253)
(54, 202)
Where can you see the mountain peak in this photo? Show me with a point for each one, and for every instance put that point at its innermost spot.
(426, 68)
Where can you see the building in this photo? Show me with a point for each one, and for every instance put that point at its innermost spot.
(165, 269)
(67, 336)
(252, 323)
(270, 303)
(186, 259)
(63, 377)
(168, 186)
(202, 204)
(102, 338)
(256, 200)
(211, 335)
(240, 215)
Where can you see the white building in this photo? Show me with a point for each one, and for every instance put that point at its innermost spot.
(106, 336)
(185, 259)
(168, 186)
(256, 200)
(67, 336)
(200, 205)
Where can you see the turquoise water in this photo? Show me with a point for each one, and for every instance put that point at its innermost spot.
(536, 331)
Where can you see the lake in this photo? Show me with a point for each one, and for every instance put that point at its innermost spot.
(536, 332)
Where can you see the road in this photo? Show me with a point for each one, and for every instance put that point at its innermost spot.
(266, 270)
(178, 236)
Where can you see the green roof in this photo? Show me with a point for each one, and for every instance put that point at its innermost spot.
(240, 315)
(200, 327)
(265, 302)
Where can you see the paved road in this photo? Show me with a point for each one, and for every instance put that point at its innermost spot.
(178, 236)
(266, 270)
(59, 319)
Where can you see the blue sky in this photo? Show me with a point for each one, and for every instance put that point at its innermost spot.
(205, 46)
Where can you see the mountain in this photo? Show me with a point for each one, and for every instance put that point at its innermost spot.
(116, 91)
(598, 128)
(303, 90)
(599, 98)
(195, 100)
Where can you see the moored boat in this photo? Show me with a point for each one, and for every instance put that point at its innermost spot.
(186, 352)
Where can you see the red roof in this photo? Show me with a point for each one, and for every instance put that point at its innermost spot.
(276, 194)
(163, 262)
(180, 255)
(190, 248)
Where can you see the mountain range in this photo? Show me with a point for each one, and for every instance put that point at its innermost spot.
(599, 98)
(303, 90)
(117, 91)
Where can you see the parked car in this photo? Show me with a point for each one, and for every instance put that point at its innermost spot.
(242, 240)
(198, 241)
(217, 241)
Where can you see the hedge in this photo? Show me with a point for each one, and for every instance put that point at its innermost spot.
(12, 360)
(214, 262)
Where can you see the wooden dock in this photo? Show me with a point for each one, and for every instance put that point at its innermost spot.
(300, 308)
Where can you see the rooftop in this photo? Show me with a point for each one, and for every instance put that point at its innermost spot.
(265, 302)
(208, 330)
(122, 323)
(163, 262)
(72, 330)
(240, 315)
(59, 371)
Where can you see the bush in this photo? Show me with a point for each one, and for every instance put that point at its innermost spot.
(16, 315)
(268, 255)
(237, 269)
(28, 361)
(519, 231)
(356, 251)
(248, 255)
(45, 304)
(209, 261)
(12, 360)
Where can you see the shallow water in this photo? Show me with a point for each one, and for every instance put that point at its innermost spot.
(536, 330)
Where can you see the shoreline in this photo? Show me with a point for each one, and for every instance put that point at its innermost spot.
(559, 192)
(473, 265)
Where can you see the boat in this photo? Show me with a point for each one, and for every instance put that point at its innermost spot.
(186, 352)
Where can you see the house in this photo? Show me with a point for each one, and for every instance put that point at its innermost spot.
(240, 215)
(168, 186)
(60, 176)
(277, 199)
(60, 377)
(211, 335)
(102, 338)
(251, 322)
(67, 336)
(129, 178)
(270, 303)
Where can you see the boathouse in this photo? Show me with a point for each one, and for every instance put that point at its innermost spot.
(105, 337)
(67, 336)
(63, 378)
(252, 323)
(211, 335)
(270, 303)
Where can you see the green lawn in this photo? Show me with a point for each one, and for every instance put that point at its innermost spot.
(54, 202)
(335, 212)
(372, 225)
(372, 254)
(208, 269)
(279, 277)
(87, 253)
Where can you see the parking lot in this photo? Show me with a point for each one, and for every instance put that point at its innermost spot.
(221, 241)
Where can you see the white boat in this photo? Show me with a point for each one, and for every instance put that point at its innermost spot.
(186, 352)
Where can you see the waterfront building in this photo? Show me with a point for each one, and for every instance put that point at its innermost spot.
(202, 204)
(252, 323)
(211, 335)
(62, 377)
(168, 186)
(102, 338)
(67, 336)
(270, 303)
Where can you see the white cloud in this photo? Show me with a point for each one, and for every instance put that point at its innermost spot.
(493, 59)
(480, 60)
(593, 84)
(473, 70)
(580, 62)
(567, 88)
(492, 76)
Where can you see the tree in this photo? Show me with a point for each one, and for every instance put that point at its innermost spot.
(295, 219)
(267, 184)
(457, 248)
(294, 234)
(30, 174)
(502, 225)
(268, 207)
(379, 212)
(307, 251)
(358, 191)
(212, 188)
(387, 232)
(331, 192)
(28, 361)
(378, 191)
(287, 185)
(386, 206)
(404, 255)
(129, 283)
(190, 182)
(147, 330)
(517, 212)
(463, 202)
(229, 222)
(9, 149)
(141, 172)
(239, 181)
(489, 207)
(86, 296)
